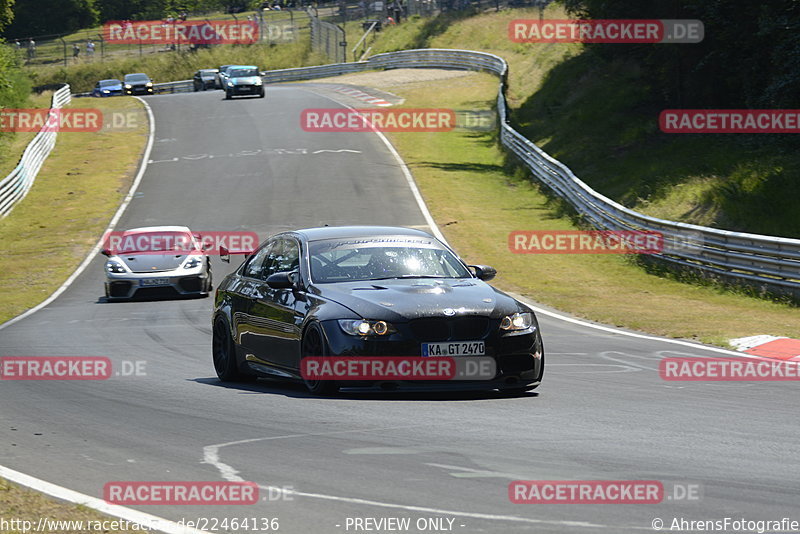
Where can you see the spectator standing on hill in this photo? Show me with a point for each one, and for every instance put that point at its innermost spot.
(396, 11)
(76, 51)
(31, 48)
(90, 49)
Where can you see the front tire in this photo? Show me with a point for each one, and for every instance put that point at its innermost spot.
(228, 95)
(224, 354)
(313, 344)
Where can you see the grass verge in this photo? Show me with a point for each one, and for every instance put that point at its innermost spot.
(477, 200)
(22, 504)
(75, 195)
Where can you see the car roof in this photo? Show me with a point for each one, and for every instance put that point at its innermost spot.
(349, 232)
(244, 66)
(153, 229)
(109, 80)
(208, 70)
(137, 74)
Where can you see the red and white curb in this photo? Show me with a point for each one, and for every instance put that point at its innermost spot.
(361, 95)
(778, 348)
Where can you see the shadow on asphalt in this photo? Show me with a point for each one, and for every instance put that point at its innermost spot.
(298, 391)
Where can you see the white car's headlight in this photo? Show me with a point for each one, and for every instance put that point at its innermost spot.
(193, 262)
(517, 321)
(362, 327)
(259, 81)
(128, 86)
(113, 266)
(230, 83)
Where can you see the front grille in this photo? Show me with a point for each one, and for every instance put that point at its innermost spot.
(444, 329)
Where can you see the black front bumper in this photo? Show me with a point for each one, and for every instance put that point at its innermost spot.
(519, 357)
(139, 90)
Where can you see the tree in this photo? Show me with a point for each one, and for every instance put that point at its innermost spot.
(6, 13)
(48, 17)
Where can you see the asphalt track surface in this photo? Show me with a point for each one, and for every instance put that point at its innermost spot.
(602, 412)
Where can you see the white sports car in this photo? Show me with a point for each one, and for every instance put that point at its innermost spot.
(155, 261)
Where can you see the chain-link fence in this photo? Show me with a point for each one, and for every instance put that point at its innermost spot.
(88, 46)
(329, 39)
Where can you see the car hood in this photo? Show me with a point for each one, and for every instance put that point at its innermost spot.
(151, 263)
(115, 87)
(405, 299)
(245, 80)
(140, 82)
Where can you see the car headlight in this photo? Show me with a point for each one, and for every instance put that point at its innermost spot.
(259, 81)
(106, 91)
(362, 327)
(149, 84)
(516, 322)
(192, 262)
(230, 83)
(128, 86)
(113, 266)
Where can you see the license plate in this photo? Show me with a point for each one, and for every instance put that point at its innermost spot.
(154, 282)
(460, 348)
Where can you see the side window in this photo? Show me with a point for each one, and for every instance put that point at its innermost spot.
(284, 256)
(256, 264)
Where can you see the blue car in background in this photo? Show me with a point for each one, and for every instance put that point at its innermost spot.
(107, 88)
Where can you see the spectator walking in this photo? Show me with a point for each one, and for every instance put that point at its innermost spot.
(395, 10)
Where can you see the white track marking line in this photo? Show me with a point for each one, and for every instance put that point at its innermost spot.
(211, 456)
(155, 523)
(92, 253)
(407, 173)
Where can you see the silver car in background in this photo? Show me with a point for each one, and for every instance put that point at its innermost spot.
(155, 261)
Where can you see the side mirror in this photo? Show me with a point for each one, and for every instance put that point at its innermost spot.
(224, 254)
(105, 252)
(484, 272)
(284, 280)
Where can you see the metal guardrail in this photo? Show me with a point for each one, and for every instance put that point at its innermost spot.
(771, 263)
(16, 185)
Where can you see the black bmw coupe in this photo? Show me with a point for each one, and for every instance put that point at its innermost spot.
(368, 292)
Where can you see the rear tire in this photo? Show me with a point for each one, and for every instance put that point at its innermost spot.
(224, 354)
(313, 344)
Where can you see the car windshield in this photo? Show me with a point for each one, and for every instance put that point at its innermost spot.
(239, 73)
(137, 78)
(208, 73)
(153, 242)
(106, 83)
(383, 258)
